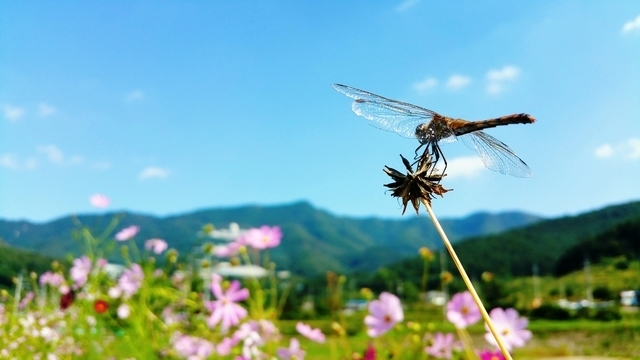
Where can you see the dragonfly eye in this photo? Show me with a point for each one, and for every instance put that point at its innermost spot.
(424, 134)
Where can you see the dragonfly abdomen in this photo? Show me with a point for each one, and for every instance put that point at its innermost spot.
(461, 127)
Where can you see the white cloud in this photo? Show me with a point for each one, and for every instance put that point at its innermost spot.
(506, 73)
(406, 5)
(425, 84)
(8, 161)
(627, 150)
(13, 113)
(52, 152)
(457, 82)
(464, 167)
(631, 25)
(603, 151)
(153, 172)
(45, 110)
(76, 160)
(634, 148)
(134, 96)
(499, 79)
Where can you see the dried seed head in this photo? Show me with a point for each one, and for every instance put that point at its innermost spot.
(416, 186)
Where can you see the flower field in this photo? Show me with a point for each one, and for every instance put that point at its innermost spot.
(155, 306)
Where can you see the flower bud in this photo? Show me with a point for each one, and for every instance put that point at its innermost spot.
(426, 254)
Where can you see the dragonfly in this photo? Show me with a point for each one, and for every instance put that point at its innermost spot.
(432, 129)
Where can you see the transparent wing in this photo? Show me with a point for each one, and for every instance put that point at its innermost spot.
(496, 155)
(386, 114)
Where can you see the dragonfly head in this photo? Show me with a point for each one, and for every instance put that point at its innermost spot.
(433, 131)
(424, 134)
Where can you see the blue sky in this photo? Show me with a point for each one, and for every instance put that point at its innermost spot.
(168, 107)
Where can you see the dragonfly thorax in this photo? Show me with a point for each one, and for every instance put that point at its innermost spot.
(433, 131)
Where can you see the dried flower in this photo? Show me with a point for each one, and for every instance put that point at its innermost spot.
(416, 186)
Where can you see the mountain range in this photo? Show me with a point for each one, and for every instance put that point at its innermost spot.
(314, 240)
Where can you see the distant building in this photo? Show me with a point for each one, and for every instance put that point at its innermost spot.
(434, 297)
(630, 298)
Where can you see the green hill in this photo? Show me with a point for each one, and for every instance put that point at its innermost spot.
(516, 251)
(621, 240)
(13, 261)
(314, 240)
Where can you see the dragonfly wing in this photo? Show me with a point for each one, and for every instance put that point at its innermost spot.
(447, 139)
(496, 155)
(386, 114)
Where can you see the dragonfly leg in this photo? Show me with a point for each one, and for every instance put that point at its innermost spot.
(416, 153)
(437, 153)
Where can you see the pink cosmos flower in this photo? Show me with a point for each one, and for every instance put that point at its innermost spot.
(441, 347)
(51, 278)
(170, 317)
(191, 347)
(253, 334)
(292, 352)
(80, 271)
(462, 311)
(510, 327)
(252, 339)
(225, 309)
(228, 250)
(130, 280)
(264, 237)
(127, 233)
(99, 201)
(224, 347)
(490, 355)
(156, 245)
(311, 334)
(384, 314)
(26, 300)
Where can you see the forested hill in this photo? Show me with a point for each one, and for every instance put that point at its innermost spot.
(622, 240)
(314, 240)
(515, 251)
